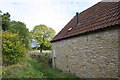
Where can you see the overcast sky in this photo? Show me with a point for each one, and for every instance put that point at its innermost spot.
(52, 13)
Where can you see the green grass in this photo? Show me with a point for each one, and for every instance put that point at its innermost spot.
(31, 68)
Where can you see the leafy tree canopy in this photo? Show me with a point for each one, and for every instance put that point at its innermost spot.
(21, 29)
(43, 34)
(13, 50)
(15, 27)
(5, 20)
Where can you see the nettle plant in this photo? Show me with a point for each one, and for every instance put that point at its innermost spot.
(13, 50)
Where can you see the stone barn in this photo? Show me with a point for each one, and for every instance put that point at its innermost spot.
(88, 46)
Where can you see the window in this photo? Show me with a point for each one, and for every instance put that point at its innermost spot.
(69, 29)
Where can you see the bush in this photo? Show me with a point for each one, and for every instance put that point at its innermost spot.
(13, 50)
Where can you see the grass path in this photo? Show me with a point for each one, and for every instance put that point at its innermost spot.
(31, 68)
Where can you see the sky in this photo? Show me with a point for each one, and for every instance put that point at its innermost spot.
(52, 13)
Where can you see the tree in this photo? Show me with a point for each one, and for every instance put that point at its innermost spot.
(13, 50)
(0, 20)
(42, 34)
(5, 21)
(15, 27)
(21, 29)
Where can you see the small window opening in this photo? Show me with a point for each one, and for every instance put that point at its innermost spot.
(69, 29)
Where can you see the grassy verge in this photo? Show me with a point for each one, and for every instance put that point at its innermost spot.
(31, 68)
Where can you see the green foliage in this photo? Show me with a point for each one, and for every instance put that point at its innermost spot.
(15, 27)
(5, 21)
(13, 49)
(20, 28)
(0, 20)
(43, 34)
(45, 58)
(47, 47)
(31, 68)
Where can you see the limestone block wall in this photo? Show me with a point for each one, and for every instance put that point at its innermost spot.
(89, 56)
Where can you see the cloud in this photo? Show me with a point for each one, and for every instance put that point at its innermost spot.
(52, 13)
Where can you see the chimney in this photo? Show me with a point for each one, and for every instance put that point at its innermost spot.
(77, 18)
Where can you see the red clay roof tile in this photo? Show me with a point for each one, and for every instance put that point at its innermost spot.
(102, 14)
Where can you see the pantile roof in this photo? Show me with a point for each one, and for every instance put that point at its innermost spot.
(101, 15)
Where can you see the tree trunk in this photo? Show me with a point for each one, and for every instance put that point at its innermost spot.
(41, 48)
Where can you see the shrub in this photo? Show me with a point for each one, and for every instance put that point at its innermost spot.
(13, 50)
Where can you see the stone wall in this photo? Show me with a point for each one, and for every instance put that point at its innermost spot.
(94, 55)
